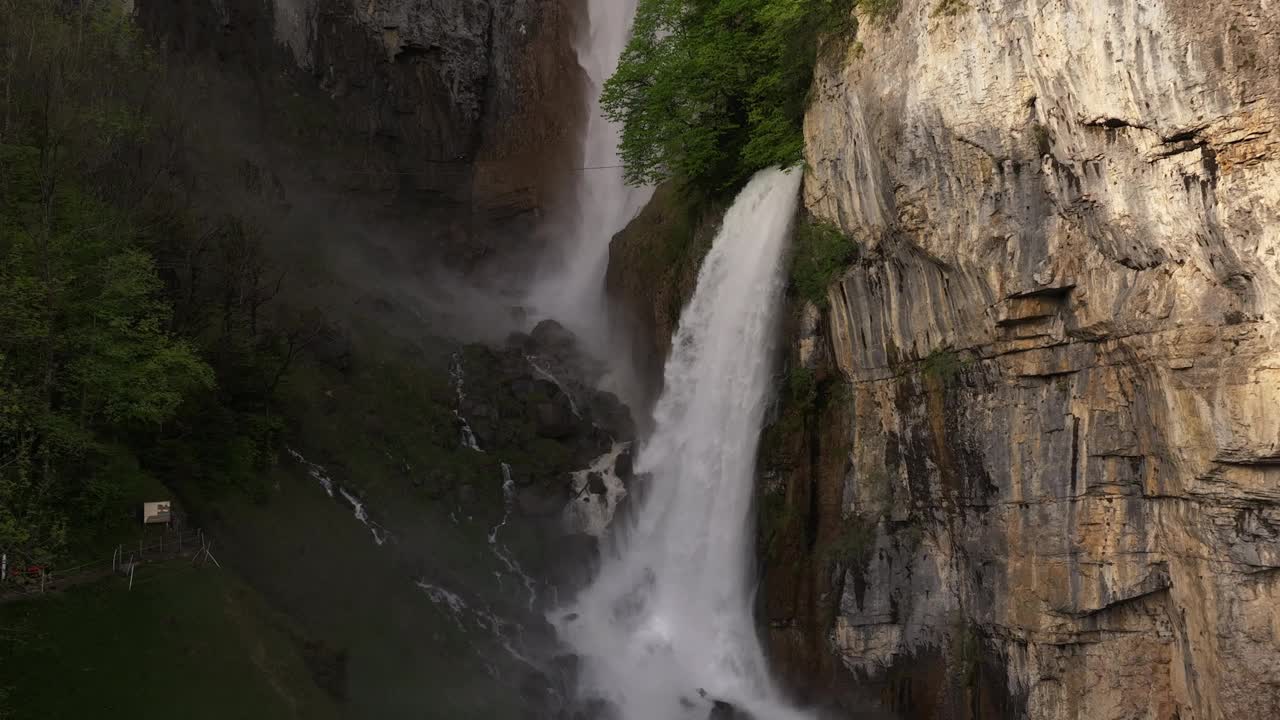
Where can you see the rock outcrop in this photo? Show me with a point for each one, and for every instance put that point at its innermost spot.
(1043, 477)
(455, 118)
(653, 271)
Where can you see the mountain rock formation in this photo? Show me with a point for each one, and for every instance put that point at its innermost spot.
(1042, 476)
(456, 118)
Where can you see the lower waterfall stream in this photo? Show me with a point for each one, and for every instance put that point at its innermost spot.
(666, 630)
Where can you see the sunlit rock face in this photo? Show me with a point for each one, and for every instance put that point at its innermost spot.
(1054, 473)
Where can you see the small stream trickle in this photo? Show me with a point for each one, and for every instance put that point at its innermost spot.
(457, 376)
(499, 550)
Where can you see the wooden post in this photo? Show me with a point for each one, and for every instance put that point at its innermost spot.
(208, 552)
(132, 567)
(41, 581)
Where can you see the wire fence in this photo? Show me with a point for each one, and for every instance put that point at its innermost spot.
(19, 577)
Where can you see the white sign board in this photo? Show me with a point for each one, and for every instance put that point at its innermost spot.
(155, 512)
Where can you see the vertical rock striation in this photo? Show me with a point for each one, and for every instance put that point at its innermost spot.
(460, 115)
(1049, 484)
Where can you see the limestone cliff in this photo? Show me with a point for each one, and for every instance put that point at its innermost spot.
(1044, 479)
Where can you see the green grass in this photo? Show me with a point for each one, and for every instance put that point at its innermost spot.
(186, 642)
(386, 422)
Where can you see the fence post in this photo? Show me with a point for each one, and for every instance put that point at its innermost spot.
(41, 581)
(132, 567)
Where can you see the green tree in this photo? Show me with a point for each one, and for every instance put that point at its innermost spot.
(709, 91)
(89, 362)
(83, 325)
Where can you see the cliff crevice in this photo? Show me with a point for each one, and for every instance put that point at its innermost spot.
(1061, 349)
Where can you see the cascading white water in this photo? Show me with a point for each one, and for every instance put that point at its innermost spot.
(667, 624)
(571, 286)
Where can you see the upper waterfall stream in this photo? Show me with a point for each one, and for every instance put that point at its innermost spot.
(570, 287)
(666, 628)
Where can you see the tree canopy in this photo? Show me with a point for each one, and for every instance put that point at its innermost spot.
(131, 340)
(709, 91)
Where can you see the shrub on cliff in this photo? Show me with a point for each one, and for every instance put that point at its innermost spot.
(822, 253)
(709, 91)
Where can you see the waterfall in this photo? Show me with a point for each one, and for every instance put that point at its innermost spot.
(571, 286)
(666, 628)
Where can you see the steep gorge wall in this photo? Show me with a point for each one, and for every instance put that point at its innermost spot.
(653, 270)
(1044, 480)
(455, 120)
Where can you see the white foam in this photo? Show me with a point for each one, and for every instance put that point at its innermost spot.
(670, 613)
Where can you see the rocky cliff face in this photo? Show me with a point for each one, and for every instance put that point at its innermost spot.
(457, 118)
(1043, 476)
(653, 271)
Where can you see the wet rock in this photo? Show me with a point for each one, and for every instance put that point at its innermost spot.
(612, 415)
(467, 494)
(1035, 403)
(623, 467)
(551, 338)
(631, 503)
(592, 442)
(553, 419)
(567, 665)
(536, 688)
(721, 710)
(522, 387)
(595, 484)
(563, 671)
(436, 483)
(596, 709)
(574, 557)
(518, 341)
(480, 411)
(542, 499)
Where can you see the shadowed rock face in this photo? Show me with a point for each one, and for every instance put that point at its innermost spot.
(1051, 476)
(461, 116)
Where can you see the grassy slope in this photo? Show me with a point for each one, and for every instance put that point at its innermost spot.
(185, 642)
(386, 432)
(405, 656)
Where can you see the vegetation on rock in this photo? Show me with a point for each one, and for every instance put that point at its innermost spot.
(855, 545)
(709, 91)
(822, 253)
(943, 366)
